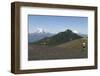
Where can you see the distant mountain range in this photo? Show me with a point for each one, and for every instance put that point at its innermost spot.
(83, 35)
(33, 37)
(57, 39)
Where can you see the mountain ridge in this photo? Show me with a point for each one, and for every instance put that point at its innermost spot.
(59, 38)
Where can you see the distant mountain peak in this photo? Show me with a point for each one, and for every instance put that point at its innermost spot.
(40, 30)
(32, 37)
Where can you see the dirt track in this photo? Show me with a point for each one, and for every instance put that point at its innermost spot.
(40, 52)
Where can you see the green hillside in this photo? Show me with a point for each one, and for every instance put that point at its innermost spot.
(59, 38)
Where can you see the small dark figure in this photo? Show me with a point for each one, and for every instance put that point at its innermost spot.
(83, 45)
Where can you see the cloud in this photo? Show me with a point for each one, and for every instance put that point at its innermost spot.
(75, 31)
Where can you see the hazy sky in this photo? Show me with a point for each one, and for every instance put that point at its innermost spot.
(55, 24)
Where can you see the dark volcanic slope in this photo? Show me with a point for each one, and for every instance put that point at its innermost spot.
(74, 44)
(45, 53)
(69, 50)
(59, 38)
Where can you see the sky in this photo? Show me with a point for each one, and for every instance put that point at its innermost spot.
(56, 24)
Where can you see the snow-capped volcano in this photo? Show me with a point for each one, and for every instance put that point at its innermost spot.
(40, 33)
(40, 30)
